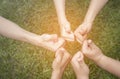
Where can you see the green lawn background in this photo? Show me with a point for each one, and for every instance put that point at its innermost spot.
(19, 60)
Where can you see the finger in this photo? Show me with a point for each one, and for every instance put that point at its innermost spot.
(59, 51)
(92, 45)
(77, 55)
(84, 38)
(54, 38)
(59, 44)
(82, 30)
(79, 37)
(81, 56)
(81, 60)
(67, 28)
(85, 46)
(66, 58)
(89, 42)
(59, 55)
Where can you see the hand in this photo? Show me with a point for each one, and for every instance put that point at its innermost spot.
(90, 50)
(80, 68)
(82, 31)
(62, 58)
(66, 32)
(51, 42)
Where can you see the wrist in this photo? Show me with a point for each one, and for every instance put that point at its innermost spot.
(56, 74)
(89, 18)
(57, 71)
(63, 22)
(87, 22)
(99, 58)
(33, 38)
(83, 77)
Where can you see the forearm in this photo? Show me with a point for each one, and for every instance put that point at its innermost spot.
(56, 75)
(109, 64)
(11, 30)
(94, 8)
(60, 8)
(85, 77)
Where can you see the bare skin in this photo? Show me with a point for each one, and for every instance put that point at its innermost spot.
(94, 53)
(12, 30)
(65, 28)
(51, 42)
(62, 58)
(82, 31)
(80, 68)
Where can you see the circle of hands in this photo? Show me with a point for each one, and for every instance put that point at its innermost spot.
(62, 57)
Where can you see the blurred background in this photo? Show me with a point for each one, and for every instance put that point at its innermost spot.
(19, 60)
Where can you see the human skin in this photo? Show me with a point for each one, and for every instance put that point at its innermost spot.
(83, 29)
(12, 30)
(65, 28)
(94, 53)
(80, 68)
(62, 58)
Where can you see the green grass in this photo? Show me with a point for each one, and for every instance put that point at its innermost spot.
(19, 60)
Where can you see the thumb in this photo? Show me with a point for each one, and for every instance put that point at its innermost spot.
(91, 44)
(86, 47)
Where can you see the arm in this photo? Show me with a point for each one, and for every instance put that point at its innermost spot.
(83, 29)
(94, 8)
(65, 28)
(79, 66)
(109, 64)
(60, 8)
(12, 30)
(62, 58)
(56, 74)
(94, 53)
